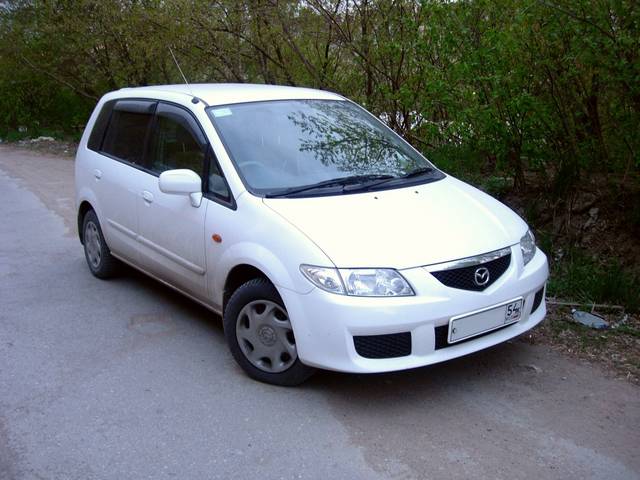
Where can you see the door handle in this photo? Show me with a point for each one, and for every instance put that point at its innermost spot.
(147, 196)
(97, 173)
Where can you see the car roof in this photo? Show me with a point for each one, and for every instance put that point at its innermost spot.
(227, 93)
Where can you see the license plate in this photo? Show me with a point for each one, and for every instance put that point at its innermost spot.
(472, 324)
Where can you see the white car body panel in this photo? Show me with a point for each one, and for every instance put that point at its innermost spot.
(256, 236)
(227, 93)
(409, 229)
(325, 337)
(405, 227)
(171, 237)
(120, 184)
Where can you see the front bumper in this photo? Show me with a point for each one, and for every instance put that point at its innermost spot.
(324, 324)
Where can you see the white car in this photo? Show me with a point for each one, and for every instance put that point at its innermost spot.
(321, 237)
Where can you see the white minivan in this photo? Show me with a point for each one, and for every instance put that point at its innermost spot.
(322, 238)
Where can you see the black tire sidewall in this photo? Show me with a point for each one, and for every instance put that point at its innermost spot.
(258, 289)
(102, 270)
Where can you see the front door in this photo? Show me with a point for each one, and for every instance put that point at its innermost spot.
(171, 228)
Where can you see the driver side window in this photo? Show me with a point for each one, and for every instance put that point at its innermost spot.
(177, 141)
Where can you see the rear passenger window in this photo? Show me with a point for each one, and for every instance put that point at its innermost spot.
(97, 134)
(127, 130)
(177, 141)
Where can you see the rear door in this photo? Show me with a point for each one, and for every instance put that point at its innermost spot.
(171, 229)
(118, 172)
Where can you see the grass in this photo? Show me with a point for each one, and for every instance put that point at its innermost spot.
(581, 278)
(627, 330)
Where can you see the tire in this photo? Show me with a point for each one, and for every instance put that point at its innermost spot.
(99, 259)
(260, 337)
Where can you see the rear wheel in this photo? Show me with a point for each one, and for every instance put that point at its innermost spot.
(260, 335)
(99, 259)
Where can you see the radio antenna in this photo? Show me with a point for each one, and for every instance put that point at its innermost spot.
(183, 77)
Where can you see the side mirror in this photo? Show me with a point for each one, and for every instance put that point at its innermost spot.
(182, 182)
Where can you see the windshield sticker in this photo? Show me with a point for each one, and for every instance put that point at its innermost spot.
(221, 112)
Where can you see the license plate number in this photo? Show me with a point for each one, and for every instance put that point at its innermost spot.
(513, 311)
(472, 324)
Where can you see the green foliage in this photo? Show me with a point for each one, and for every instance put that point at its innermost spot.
(463, 162)
(509, 85)
(489, 89)
(497, 186)
(580, 277)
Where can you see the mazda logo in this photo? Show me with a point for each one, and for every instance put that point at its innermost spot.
(481, 276)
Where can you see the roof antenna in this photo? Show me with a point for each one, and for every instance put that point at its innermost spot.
(194, 99)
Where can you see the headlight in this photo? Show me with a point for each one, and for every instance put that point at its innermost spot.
(528, 246)
(325, 278)
(359, 282)
(376, 282)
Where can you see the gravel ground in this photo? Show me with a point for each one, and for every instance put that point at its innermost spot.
(617, 349)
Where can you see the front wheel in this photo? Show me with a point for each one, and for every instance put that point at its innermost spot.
(260, 336)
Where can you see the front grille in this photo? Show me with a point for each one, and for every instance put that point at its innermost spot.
(537, 300)
(383, 346)
(464, 277)
(442, 336)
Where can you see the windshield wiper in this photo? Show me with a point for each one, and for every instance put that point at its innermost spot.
(334, 182)
(418, 172)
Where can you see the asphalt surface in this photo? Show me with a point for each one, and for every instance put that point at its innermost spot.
(125, 379)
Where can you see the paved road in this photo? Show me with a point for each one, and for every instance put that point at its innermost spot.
(124, 379)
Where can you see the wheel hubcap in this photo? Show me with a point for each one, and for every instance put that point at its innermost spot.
(92, 244)
(265, 336)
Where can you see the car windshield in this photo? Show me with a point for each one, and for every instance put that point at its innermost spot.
(290, 145)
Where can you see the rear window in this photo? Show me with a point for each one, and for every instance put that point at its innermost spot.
(127, 130)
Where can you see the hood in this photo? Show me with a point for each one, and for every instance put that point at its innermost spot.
(406, 227)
